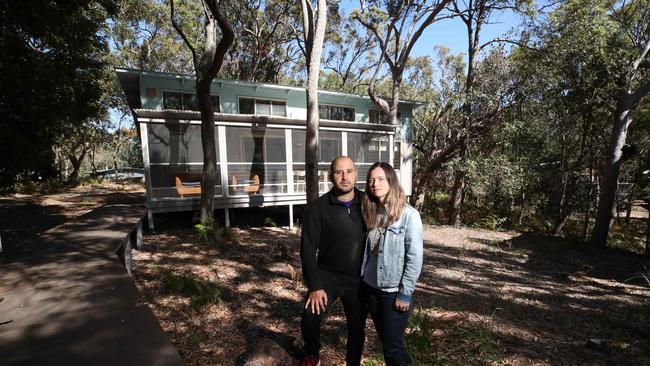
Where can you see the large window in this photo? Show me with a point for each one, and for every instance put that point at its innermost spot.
(256, 156)
(262, 107)
(379, 117)
(186, 101)
(329, 147)
(336, 113)
(366, 149)
(176, 155)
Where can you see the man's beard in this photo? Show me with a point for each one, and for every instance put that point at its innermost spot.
(342, 191)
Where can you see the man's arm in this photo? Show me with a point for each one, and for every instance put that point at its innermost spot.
(309, 243)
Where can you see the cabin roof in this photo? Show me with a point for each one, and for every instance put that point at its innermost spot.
(130, 81)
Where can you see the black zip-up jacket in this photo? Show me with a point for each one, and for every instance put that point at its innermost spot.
(332, 239)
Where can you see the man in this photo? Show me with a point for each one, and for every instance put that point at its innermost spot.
(331, 250)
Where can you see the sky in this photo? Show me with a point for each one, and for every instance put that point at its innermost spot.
(452, 33)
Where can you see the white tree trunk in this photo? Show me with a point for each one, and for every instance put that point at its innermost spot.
(609, 179)
(315, 36)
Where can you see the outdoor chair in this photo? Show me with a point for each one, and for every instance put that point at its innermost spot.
(186, 187)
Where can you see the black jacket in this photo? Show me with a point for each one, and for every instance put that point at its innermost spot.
(332, 239)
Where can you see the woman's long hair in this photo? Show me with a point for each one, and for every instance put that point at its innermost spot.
(373, 210)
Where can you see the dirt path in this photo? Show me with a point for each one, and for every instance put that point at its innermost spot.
(486, 298)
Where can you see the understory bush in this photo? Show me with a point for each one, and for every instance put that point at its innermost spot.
(211, 233)
(201, 292)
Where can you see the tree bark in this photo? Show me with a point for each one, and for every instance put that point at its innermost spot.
(76, 165)
(624, 107)
(314, 39)
(456, 199)
(647, 233)
(206, 66)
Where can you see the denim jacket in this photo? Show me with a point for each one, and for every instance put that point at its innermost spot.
(400, 252)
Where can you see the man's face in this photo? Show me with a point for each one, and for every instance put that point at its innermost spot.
(344, 175)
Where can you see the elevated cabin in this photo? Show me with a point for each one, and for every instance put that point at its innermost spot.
(260, 139)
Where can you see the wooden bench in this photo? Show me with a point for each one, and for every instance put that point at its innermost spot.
(249, 185)
(184, 188)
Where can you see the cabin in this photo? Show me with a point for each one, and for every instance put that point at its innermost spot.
(260, 138)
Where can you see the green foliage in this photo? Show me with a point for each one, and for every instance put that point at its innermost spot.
(491, 222)
(630, 237)
(419, 343)
(200, 292)
(53, 57)
(209, 232)
(212, 234)
(374, 360)
(28, 186)
(476, 341)
(90, 180)
(269, 221)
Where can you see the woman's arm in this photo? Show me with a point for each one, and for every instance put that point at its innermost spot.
(413, 256)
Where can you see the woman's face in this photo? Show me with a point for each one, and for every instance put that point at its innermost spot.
(378, 184)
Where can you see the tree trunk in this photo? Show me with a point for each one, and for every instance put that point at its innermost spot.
(76, 166)
(93, 164)
(647, 233)
(609, 179)
(209, 179)
(314, 39)
(456, 199)
(206, 66)
(587, 211)
(115, 166)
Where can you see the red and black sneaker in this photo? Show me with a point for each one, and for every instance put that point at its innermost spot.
(310, 360)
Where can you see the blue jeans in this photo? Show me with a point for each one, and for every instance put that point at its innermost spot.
(389, 323)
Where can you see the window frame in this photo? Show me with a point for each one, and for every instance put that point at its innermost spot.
(328, 106)
(381, 114)
(272, 103)
(182, 99)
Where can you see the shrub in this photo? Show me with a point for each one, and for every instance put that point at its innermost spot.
(474, 339)
(209, 232)
(200, 292)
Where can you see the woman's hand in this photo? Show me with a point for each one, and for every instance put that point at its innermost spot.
(400, 305)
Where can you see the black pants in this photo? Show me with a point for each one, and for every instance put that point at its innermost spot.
(389, 323)
(348, 290)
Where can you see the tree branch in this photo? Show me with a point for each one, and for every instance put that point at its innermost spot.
(181, 33)
(642, 56)
(227, 38)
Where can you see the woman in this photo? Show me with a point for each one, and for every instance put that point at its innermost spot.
(392, 260)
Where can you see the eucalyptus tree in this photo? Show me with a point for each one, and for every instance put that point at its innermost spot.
(435, 122)
(264, 40)
(396, 26)
(474, 14)
(566, 87)
(77, 140)
(207, 61)
(349, 56)
(142, 37)
(633, 19)
(314, 21)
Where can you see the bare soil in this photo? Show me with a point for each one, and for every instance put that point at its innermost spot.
(530, 300)
(491, 298)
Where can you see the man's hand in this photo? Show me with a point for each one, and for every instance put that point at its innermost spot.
(317, 301)
(401, 305)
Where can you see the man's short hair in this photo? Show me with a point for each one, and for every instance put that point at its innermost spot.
(340, 157)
